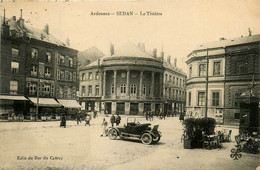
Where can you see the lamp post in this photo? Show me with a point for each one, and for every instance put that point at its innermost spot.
(207, 84)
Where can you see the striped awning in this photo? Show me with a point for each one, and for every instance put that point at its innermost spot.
(8, 97)
(48, 102)
(69, 103)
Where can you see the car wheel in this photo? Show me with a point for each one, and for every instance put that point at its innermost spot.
(156, 138)
(112, 134)
(146, 138)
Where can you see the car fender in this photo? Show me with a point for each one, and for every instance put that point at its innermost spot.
(148, 131)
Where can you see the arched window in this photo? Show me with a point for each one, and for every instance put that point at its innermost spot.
(123, 88)
(133, 89)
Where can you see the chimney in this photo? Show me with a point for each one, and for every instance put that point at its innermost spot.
(68, 42)
(142, 45)
(154, 52)
(6, 27)
(4, 18)
(46, 29)
(175, 62)
(112, 50)
(162, 56)
(249, 32)
(169, 59)
(21, 20)
(14, 18)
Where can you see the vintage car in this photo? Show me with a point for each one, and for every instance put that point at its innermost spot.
(135, 130)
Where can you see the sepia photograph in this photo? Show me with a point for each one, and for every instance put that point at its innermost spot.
(130, 84)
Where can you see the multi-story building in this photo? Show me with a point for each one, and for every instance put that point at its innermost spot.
(129, 81)
(229, 65)
(33, 59)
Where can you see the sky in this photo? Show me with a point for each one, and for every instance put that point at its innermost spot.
(183, 25)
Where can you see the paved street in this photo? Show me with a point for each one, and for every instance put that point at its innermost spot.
(81, 147)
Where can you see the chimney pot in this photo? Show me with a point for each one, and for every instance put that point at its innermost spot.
(46, 29)
(175, 62)
(154, 52)
(112, 49)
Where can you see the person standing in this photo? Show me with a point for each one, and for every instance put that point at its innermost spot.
(87, 120)
(146, 115)
(78, 118)
(118, 119)
(104, 124)
(63, 121)
(112, 120)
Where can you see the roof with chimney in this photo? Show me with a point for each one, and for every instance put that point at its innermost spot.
(90, 55)
(30, 31)
(129, 49)
(229, 42)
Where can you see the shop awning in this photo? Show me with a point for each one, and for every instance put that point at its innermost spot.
(8, 97)
(48, 102)
(69, 103)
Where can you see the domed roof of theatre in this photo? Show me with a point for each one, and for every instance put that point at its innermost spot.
(129, 49)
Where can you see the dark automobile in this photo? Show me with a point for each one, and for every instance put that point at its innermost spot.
(135, 130)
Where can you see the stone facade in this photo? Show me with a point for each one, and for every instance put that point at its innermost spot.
(30, 57)
(232, 64)
(125, 83)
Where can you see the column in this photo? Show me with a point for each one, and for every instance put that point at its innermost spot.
(141, 84)
(152, 85)
(127, 83)
(127, 108)
(101, 83)
(113, 107)
(160, 85)
(115, 83)
(104, 84)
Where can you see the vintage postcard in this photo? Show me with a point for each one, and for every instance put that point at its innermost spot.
(130, 84)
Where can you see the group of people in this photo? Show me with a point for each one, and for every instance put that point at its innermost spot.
(113, 120)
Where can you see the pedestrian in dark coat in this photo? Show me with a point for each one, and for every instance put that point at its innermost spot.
(63, 121)
(118, 119)
(146, 115)
(112, 120)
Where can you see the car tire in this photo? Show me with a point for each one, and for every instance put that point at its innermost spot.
(146, 138)
(112, 134)
(157, 138)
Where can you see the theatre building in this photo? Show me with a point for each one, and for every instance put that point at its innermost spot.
(34, 63)
(129, 81)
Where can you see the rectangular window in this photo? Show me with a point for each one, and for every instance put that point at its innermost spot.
(74, 77)
(48, 57)
(241, 68)
(32, 88)
(90, 75)
(34, 70)
(34, 53)
(66, 75)
(97, 90)
(70, 62)
(177, 94)
(166, 78)
(47, 72)
(13, 87)
(173, 80)
(144, 90)
(201, 99)
(15, 52)
(58, 74)
(202, 70)
(215, 98)
(97, 75)
(170, 78)
(14, 67)
(237, 115)
(216, 68)
(149, 90)
(74, 92)
(177, 81)
(189, 102)
(83, 76)
(61, 75)
(89, 90)
(180, 82)
(235, 100)
(65, 92)
(61, 60)
(52, 90)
